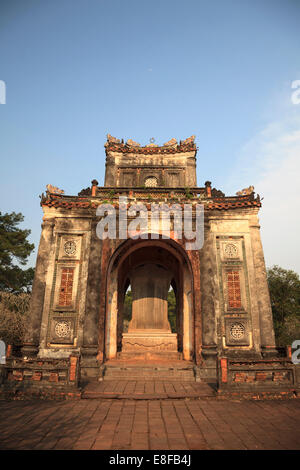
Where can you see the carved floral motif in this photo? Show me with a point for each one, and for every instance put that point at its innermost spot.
(62, 329)
(231, 250)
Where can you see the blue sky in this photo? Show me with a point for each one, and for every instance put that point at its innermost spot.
(76, 70)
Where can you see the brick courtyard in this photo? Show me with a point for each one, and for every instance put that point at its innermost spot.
(173, 424)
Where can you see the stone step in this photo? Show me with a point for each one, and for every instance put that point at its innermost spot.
(150, 356)
(139, 372)
(148, 390)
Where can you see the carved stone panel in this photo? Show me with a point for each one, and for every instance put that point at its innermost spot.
(237, 332)
(62, 330)
(231, 250)
(235, 298)
(66, 285)
(128, 178)
(70, 247)
(149, 175)
(151, 182)
(173, 179)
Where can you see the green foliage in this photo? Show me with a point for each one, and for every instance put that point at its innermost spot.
(127, 313)
(14, 313)
(14, 247)
(284, 286)
(188, 194)
(172, 310)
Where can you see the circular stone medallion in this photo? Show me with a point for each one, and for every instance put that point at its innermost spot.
(70, 247)
(62, 329)
(231, 250)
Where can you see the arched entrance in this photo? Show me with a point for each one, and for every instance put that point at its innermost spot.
(150, 267)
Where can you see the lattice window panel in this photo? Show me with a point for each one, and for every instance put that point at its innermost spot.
(66, 287)
(234, 289)
(151, 182)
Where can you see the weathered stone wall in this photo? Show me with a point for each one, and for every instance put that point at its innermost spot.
(32, 336)
(41, 378)
(232, 259)
(257, 378)
(261, 289)
(132, 170)
(64, 306)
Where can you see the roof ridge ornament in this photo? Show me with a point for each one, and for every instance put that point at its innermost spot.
(112, 140)
(54, 189)
(171, 143)
(172, 146)
(245, 191)
(189, 140)
(132, 143)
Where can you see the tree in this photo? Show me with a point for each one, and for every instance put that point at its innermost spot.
(14, 314)
(284, 286)
(14, 247)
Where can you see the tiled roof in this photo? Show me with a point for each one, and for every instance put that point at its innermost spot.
(89, 202)
(123, 148)
(115, 145)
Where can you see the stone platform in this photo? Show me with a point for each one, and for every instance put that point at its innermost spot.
(141, 369)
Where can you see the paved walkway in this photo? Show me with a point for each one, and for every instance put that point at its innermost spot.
(150, 424)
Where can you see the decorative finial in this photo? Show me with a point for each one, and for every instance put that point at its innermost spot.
(189, 140)
(245, 191)
(171, 143)
(132, 143)
(54, 189)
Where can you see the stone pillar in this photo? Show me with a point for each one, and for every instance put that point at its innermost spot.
(110, 173)
(106, 292)
(196, 305)
(32, 336)
(208, 188)
(208, 276)
(188, 324)
(191, 177)
(263, 295)
(94, 188)
(91, 319)
(209, 294)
